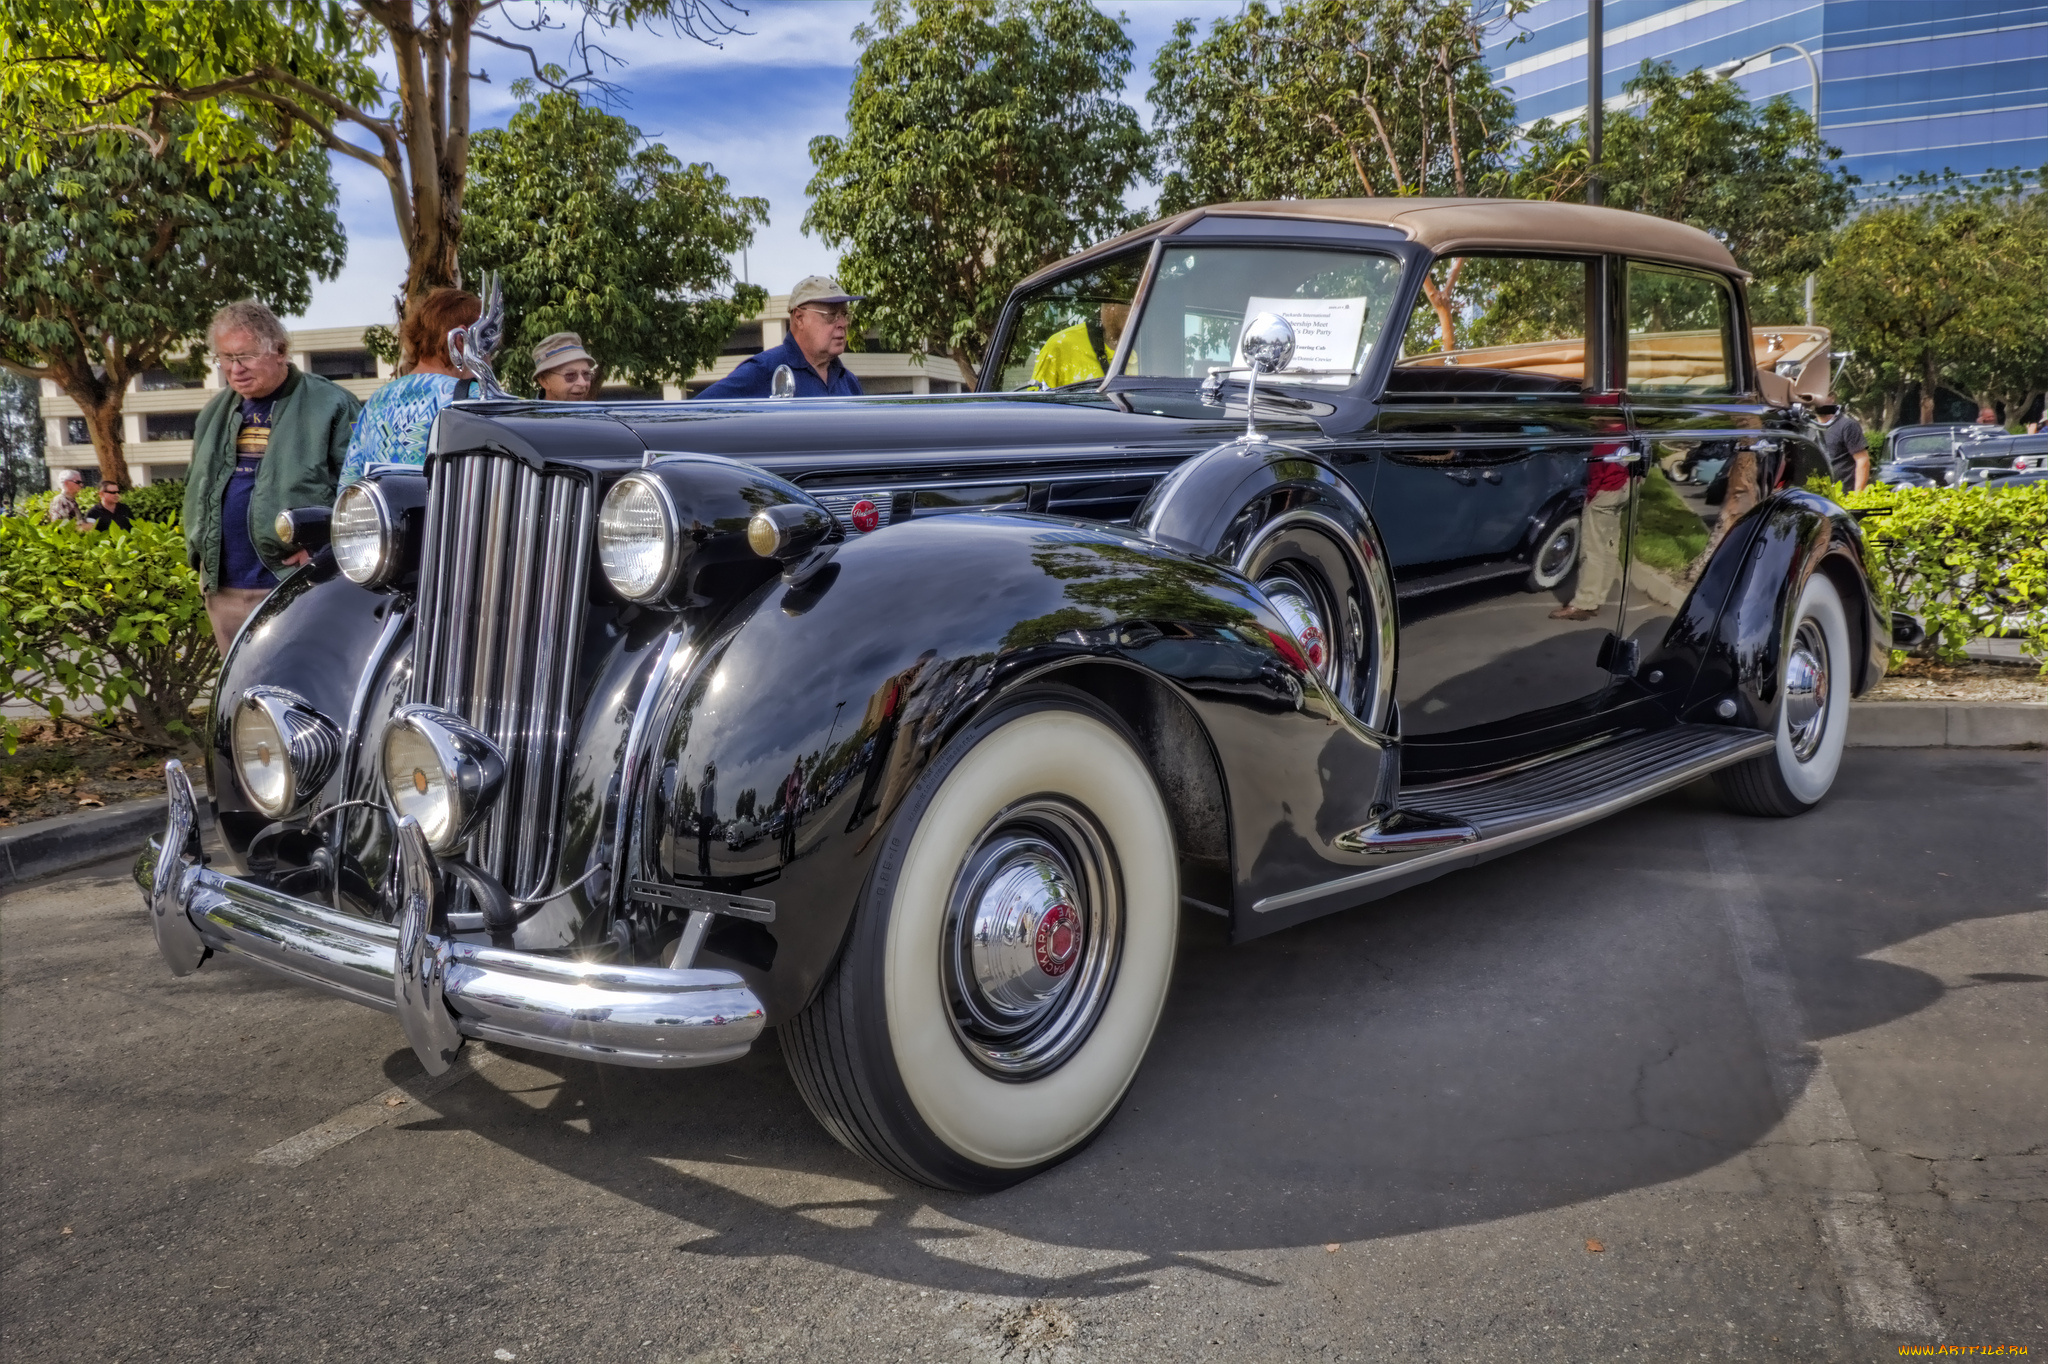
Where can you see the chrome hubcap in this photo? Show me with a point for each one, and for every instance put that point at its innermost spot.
(1031, 939)
(1298, 607)
(1806, 690)
(1557, 555)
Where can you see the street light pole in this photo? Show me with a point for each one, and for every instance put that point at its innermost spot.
(1596, 82)
(1728, 69)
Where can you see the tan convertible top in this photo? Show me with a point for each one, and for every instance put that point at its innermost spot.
(1470, 224)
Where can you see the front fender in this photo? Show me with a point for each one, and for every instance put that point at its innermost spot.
(1739, 620)
(312, 636)
(799, 730)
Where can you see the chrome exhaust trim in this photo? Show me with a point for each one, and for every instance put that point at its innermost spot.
(444, 991)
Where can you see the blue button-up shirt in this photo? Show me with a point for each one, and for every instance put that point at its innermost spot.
(755, 377)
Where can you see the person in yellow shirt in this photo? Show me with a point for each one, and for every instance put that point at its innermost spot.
(1081, 352)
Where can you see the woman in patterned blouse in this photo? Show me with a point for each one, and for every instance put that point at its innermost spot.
(395, 422)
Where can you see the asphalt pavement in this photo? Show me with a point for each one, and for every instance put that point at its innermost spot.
(1681, 1085)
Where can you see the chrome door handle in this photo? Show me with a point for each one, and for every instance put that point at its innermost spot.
(1490, 475)
(1464, 477)
(1625, 457)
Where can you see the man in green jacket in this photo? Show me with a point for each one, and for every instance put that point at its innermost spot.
(274, 439)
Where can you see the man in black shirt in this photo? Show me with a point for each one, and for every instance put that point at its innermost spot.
(111, 511)
(1841, 436)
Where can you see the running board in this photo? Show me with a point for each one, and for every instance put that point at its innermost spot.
(1476, 821)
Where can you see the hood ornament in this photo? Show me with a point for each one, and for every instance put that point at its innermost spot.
(470, 348)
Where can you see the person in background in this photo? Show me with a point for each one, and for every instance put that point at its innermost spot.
(818, 318)
(64, 506)
(1081, 352)
(395, 423)
(1841, 437)
(273, 439)
(563, 370)
(1987, 416)
(111, 511)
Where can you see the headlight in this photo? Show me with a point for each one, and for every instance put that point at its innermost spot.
(363, 534)
(284, 749)
(442, 772)
(636, 538)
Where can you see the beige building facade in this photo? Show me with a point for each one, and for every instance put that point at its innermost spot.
(158, 415)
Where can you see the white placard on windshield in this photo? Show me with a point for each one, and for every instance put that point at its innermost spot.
(1325, 331)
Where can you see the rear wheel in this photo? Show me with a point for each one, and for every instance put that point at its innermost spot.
(1813, 714)
(1555, 556)
(1009, 957)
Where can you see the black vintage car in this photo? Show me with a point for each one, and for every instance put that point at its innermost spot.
(1940, 456)
(1290, 554)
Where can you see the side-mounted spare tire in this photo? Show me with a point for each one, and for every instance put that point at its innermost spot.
(1009, 957)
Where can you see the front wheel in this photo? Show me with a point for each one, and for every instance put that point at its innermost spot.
(1009, 957)
(1555, 557)
(1813, 714)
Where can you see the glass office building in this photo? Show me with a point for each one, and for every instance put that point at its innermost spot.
(1906, 86)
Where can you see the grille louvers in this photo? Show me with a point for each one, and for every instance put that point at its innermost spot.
(503, 565)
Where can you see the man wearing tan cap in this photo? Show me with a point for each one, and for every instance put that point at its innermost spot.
(818, 317)
(563, 369)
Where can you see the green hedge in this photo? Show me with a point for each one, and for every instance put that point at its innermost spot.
(1967, 561)
(116, 619)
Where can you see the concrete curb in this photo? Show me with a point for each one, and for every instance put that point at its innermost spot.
(45, 847)
(1945, 724)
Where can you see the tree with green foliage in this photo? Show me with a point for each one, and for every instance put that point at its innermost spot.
(113, 259)
(985, 138)
(1942, 288)
(594, 232)
(254, 76)
(1333, 98)
(1695, 150)
(21, 440)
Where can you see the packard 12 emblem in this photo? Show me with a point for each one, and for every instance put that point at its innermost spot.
(1058, 941)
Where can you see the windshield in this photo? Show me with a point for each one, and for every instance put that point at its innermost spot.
(1936, 443)
(1337, 301)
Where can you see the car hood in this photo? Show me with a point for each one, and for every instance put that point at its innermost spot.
(950, 428)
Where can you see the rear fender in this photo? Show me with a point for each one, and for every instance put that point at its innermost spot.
(1739, 620)
(796, 732)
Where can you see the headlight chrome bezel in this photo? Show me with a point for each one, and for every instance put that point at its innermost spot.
(308, 746)
(385, 564)
(470, 769)
(671, 533)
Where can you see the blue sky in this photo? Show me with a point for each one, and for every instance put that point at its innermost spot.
(749, 108)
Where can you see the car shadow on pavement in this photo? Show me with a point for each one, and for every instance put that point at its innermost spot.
(1553, 1027)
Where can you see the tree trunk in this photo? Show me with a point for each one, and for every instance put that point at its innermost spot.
(1930, 381)
(1894, 399)
(103, 420)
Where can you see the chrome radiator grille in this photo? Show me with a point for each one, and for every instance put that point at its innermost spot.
(502, 572)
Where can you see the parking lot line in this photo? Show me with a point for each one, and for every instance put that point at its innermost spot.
(375, 1112)
(1879, 1292)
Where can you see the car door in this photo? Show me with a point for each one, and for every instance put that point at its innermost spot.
(1689, 403)
(1502, 495)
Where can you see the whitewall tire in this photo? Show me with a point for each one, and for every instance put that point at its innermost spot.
(1009, 958)
(1813, 713)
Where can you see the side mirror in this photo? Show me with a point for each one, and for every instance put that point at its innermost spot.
(1268, 342)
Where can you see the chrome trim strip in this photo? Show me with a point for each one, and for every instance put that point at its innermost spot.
(1668, 779)
(674, 658)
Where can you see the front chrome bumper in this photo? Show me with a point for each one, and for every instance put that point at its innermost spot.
(442, 991)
